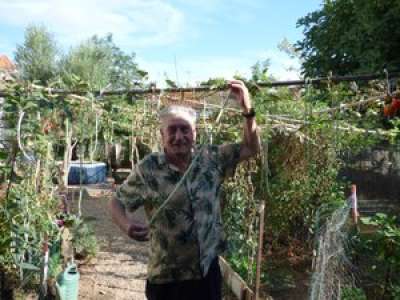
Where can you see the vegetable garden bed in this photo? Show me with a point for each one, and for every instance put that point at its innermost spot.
(295, 175)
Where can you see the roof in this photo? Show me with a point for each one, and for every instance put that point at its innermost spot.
(6, 64)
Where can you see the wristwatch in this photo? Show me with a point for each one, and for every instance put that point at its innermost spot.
(250, 114)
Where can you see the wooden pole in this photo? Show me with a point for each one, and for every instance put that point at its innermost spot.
(354, 204)
(259, 251)
(45, 268)
(233, 280)
(301, 82)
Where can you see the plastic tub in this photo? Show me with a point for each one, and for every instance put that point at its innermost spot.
(91, 172)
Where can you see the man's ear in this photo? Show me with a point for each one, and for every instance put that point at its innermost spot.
(194, 132)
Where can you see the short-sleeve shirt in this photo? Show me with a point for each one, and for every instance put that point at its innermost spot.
(186, 235)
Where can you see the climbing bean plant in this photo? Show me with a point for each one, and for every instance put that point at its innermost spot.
(296, 173)
(303, 151)
(28, 205)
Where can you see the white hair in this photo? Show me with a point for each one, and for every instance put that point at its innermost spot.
(177, 111)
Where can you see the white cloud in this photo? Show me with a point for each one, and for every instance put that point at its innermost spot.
(196, 69)
(282, 66)
(214, 5)
(216, 11)
(134, 23)
(141, 25)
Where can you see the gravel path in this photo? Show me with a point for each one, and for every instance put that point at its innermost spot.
(119, 269)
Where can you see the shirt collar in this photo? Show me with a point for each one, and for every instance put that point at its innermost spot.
(162, 160)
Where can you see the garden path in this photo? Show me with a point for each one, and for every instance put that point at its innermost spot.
(119, 269)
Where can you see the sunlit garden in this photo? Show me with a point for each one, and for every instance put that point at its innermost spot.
(313, 216)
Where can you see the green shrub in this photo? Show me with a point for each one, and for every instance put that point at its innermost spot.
(376, 254)
(353, 294)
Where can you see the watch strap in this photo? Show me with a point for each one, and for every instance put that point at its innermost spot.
(250, 114)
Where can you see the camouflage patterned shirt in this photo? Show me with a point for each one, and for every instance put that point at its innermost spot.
(187, 233)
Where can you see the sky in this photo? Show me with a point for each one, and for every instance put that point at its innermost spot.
(187, 41)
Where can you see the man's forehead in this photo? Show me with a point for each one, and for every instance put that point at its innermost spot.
(178, 112)
(176, 121)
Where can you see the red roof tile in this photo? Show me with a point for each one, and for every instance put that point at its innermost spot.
(6, 64)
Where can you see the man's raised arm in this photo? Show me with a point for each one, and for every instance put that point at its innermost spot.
(251, 140)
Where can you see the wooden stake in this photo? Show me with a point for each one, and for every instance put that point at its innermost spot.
(45, 268)
(236, 284)
(354, 208)
(259, 251)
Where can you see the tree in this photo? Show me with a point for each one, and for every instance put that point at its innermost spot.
(100, 63)
(36, 58)
(259, 71)
(350, 37)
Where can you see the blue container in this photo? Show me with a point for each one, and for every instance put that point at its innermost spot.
(90, 172)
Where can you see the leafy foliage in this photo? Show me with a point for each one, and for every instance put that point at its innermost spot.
(298, 172)
(83, 238)
(100, 63)
(353, 294)
(29, 203)
(36, 58)
(348, 37)
(25, 218)
(259, 71)
(377, 255)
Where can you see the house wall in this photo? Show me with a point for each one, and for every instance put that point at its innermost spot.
(376, 172)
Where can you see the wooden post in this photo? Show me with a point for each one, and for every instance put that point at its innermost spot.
(259, 251)
(236, 284)
(45, 268)
(69, 147)
(354, 208)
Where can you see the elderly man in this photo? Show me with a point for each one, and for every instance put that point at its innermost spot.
(180, 191)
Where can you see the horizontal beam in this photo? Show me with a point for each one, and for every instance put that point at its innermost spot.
(154, 90)
(334, 79)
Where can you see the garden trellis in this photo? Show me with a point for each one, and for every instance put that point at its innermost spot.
(154, 90)
(82, 116)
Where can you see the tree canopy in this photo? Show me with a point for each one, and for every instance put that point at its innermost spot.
(99, 62)
(350, 37)
(36, 57)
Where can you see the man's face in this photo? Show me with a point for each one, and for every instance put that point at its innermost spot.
(178, 136)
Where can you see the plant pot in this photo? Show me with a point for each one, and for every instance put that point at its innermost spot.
(91, 173)
(120, 175)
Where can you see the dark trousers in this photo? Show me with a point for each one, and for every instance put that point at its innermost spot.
(207, 288)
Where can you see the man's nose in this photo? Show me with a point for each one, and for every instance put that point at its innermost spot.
(179, 134)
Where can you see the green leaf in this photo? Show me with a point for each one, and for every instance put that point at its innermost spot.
(367, 221)
(28, 266)
(3, 155)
